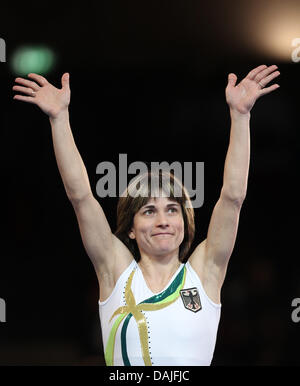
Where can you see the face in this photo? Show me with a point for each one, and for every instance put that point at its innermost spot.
(158, 227)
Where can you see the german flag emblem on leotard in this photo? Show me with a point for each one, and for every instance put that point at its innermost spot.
(191, 299)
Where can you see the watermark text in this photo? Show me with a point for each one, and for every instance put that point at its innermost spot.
(296, 312)
(295, 53)
(2, 311)
(2, 50)
(189, 175)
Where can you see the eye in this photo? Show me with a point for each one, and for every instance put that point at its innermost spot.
(173, 209)
(148, 212)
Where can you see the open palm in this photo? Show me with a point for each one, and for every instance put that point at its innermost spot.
(49, 99)
(242, 97)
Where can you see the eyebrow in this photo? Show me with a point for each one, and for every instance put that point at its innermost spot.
(151, 206)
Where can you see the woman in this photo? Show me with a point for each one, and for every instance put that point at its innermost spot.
(154, 309)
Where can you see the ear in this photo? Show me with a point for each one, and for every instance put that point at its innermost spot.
(131, 235)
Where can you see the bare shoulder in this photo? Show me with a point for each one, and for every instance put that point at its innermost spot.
(118, 258)
(197, 259)
(109, 272)
(109, 255)
(123, 257)
(208, 273)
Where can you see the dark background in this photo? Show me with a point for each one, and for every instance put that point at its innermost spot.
(148, 80)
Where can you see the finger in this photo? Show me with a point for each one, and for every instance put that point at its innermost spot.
(24, 98)
(267, 90)
(232, 78)
(264, 81)
(65, 80)
(27, 83)
(265, 73)
(24, 90)
(252, 74)
(38, 78)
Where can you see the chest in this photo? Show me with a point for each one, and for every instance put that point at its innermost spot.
(172, 333)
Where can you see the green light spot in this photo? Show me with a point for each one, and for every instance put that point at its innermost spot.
(36, 59)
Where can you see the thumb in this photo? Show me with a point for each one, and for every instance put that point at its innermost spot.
(232, 78)
(65, 80)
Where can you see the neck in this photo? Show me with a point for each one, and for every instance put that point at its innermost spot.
(156, 274)
(159, 269)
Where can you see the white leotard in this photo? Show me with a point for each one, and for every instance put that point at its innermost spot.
(172, 328)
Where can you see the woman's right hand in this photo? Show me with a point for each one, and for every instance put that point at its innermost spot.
(51, 100)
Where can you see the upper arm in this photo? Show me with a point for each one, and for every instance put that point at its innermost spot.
(222, 231)
(210, 258)
(108, 254)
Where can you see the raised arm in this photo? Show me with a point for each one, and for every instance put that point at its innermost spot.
(107, 253)
(211, 257)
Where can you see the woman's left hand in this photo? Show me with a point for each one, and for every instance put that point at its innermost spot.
(242, 97)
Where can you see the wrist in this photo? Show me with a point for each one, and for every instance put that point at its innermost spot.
(237, 115)
(62, 115)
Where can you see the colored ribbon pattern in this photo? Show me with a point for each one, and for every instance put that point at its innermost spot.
(156, 302)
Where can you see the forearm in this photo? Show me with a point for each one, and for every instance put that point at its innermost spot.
(69, 161)
(237, 159)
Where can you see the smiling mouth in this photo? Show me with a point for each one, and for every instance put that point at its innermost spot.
(161, 234)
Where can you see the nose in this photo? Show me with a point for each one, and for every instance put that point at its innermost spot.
(162, 220)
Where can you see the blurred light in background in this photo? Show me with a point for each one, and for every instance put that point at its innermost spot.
(38, 59)
(273, 26)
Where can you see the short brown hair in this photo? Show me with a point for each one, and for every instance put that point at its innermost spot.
(137, 194)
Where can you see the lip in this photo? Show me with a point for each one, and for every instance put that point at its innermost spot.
(162, 233)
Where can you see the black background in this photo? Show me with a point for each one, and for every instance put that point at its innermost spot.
(148, 80)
